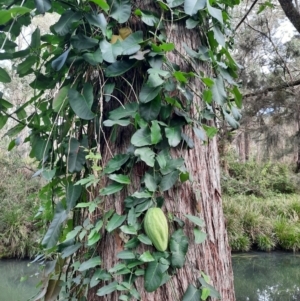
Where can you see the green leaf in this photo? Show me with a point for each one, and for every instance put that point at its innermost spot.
(120, 10)
(191, 294)
(191, 23)
(8, 14)
(150, 110)
(205, 292)
(59, 62)
(116, 163)
(25, 67)
(81, 104)
(115, 222)
(111, 189)
(3, 120)
(162, 158)
(237, 97)
(53, 233)
(218, 91)
(110, 52)
(132, 243)
(146, 154)
(93, 58)
(60, 99)
(123, 179)
(107, 289)
(178, 246)
(144, 239)
(219, 36)
(148, 93)
(196, 220)
(14, 131)
(119, 67)
(98, 20)
(214, 12)
(127, 110)
(155, 132)
(167, 46)
(148, 17)
(4, 76)
(117, 267)
(169, 180)
(175, 3)
(89, 264)
(99, 275)
(11, 145)
(199, 236)
(153, 276)
(191, 7)
(131, 217)
(81, 41)
(72, 195)
(65, 22)
(174, 135)
(128, 230)
(131, 44)
(146, 257)
(126, 255)
(75, 156)
(150, 182)
(6, 56)
(212, 291)
(70, 250)
(42, 5)
(141, 137)
(210, 131)
(232, 122)
(102, 3)
(122, 122)
(209, 82)
(142, 194)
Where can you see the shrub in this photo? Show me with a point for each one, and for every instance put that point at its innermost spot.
(18, 234)
(259, 179)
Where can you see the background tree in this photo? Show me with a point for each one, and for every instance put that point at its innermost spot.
(270, 79)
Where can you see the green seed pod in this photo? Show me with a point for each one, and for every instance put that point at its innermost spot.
(156, 227)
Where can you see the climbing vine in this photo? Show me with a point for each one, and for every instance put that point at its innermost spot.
(83, 92)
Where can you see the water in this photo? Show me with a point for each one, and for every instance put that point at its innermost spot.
(11, 289)
(258, 277)
(267, 276)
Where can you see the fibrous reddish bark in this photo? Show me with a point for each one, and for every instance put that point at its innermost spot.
(201, 197)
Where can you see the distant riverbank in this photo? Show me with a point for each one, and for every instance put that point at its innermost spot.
(263, 224)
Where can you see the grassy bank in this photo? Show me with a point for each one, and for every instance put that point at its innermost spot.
(263, 223)
(18, 204)
(261, 205)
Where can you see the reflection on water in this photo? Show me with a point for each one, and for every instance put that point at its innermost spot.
(258, 277)
(11, 289)
(267, 276)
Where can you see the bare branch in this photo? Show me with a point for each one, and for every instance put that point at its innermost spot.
(247, 13)
(274, 88)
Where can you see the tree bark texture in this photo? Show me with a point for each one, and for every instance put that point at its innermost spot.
(291, 12)
(200, 197)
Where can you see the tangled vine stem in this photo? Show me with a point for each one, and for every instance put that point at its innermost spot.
(111, 45)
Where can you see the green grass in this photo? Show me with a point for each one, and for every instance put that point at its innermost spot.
(263, 223)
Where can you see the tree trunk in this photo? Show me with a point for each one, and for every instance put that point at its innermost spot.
(200, 197)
